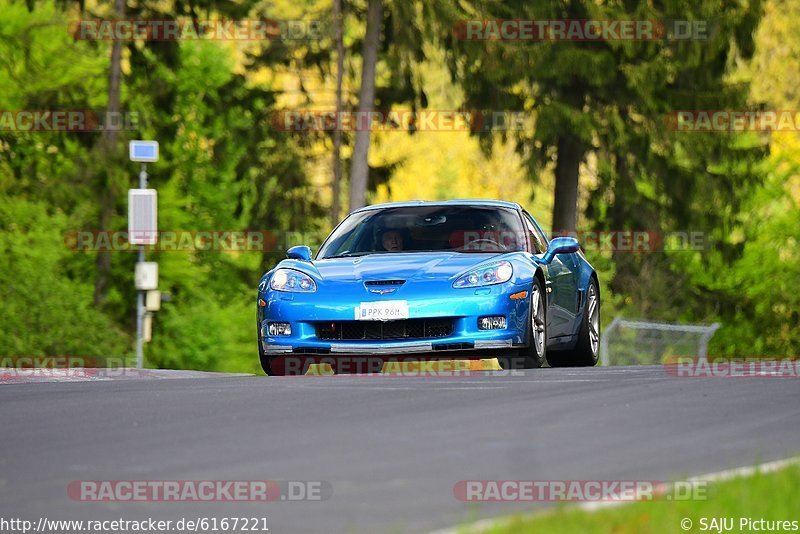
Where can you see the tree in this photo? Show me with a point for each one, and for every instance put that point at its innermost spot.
(359, 166)
(107, 147)
(223, 167)
(554, 80)
(338, 30)
(587, 96)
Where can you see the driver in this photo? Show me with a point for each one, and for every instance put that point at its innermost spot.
(392, 240)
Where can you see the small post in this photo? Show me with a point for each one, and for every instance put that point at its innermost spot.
(140, 293)
(143, 152)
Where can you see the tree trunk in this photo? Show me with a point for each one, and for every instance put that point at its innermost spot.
(565, 207)
(338, 29)
(359, 166)
(108, 140)
(107, 145)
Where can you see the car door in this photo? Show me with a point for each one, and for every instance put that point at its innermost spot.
(561, 286)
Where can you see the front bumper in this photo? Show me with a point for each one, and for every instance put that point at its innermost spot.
(464, 306)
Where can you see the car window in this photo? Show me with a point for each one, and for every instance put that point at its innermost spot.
(427, 228)
(536, 236)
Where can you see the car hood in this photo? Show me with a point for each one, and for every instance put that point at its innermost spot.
(396, 266)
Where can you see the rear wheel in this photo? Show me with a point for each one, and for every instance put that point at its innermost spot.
(586, 349)
(533, 355)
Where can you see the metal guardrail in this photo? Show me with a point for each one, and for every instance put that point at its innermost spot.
(706, 332)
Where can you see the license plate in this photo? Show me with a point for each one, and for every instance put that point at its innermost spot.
(389, 310)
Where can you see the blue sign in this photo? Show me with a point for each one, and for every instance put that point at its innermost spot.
(143, 151)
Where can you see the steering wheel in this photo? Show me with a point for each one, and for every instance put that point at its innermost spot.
(484, 240)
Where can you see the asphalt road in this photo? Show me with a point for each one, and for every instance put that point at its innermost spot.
(391, 448)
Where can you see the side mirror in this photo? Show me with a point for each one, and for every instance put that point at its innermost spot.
(561, 245)
(300, 252)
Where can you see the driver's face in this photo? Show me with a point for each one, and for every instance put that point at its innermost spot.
(392, 241)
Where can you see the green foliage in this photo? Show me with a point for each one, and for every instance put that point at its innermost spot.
(206, 333)
(225, 167)
(753, 295)
(222, 168)
(614, 97)
(46, 302)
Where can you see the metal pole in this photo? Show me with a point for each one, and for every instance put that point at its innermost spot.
(604, 355)
(140, 293)
(139, 322)
(703, 351)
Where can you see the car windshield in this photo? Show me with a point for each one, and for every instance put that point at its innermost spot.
(426, 229)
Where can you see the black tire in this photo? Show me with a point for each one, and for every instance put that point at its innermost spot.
(281, 365)
(288, 365)
(585, 353)
(262, 356)
(532, 356)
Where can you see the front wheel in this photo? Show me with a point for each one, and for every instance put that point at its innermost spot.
(262, 356)
(533, 355)
(281, 365)
(586, 351)
(287, 365)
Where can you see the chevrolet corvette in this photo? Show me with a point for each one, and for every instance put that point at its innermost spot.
(446, 279)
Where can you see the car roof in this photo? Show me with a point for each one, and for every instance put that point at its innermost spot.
(456, 202)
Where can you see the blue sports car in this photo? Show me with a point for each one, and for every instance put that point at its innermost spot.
(450, 279)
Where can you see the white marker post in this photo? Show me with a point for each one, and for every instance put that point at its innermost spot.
(143, 230)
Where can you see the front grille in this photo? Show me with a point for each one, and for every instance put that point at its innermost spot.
(371, 330)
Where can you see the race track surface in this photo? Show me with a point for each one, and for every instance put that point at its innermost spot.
(391, 448)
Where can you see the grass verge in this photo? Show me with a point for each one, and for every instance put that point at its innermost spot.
(767, 496)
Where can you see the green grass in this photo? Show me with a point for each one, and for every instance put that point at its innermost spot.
(771, 496)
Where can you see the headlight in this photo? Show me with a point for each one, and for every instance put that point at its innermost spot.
(291, 280)
(496, 273)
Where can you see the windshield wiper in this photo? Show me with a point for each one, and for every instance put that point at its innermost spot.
(471, 251)
(348, 254)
